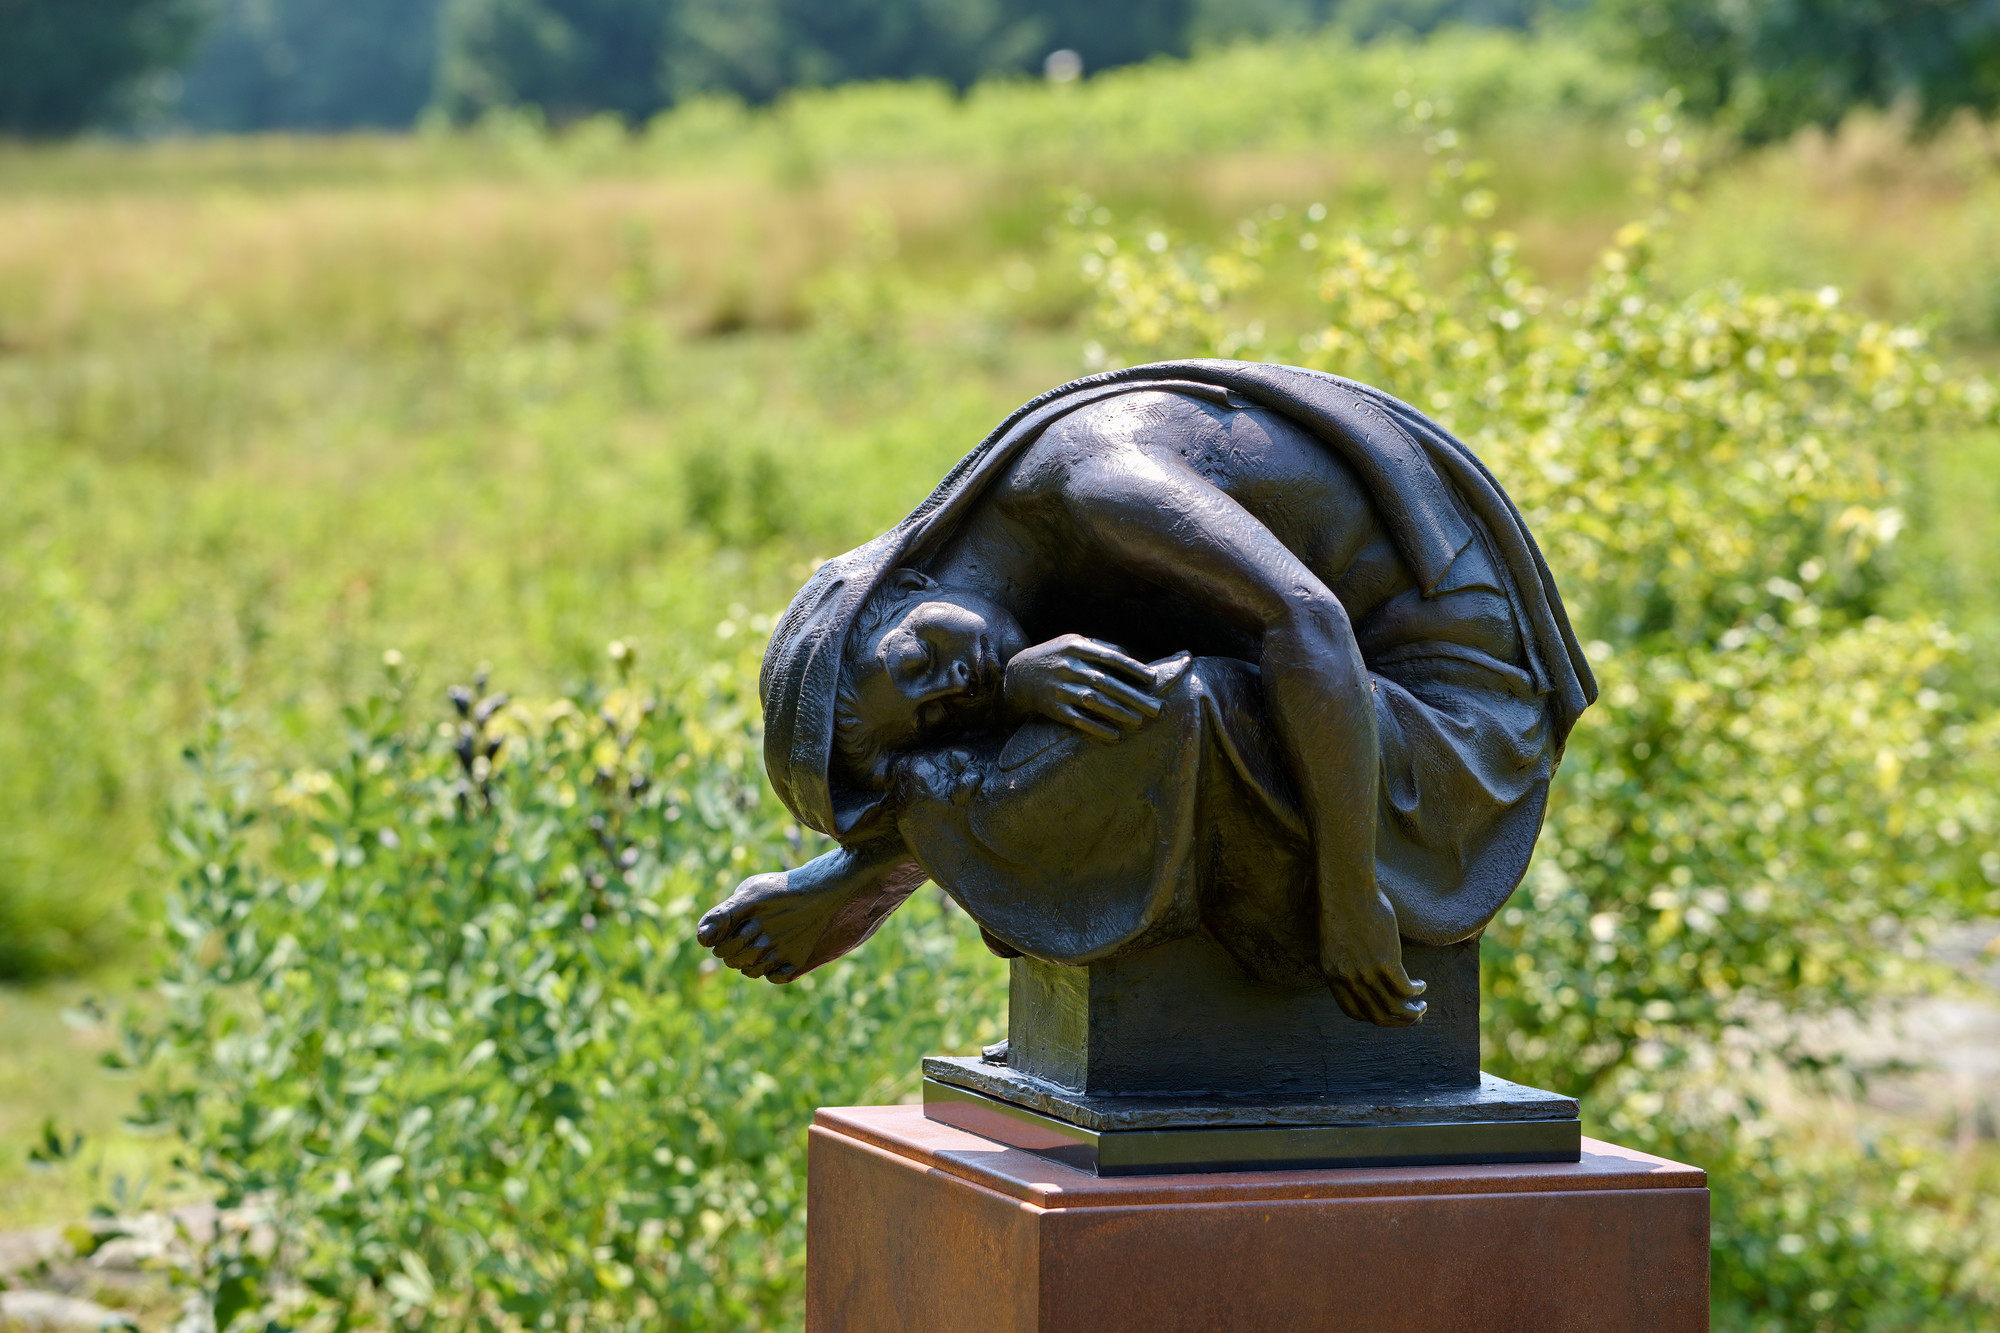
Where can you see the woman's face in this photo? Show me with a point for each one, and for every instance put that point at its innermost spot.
(935, 667)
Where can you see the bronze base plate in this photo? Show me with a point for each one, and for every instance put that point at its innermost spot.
(1495, 1123)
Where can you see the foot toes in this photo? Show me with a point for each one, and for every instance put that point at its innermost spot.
(742, 944)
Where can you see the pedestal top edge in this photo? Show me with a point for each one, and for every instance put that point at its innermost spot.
(904, 1132)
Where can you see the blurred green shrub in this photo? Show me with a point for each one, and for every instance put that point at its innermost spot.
(1781, 794)
(436, 1007)
(1289, 96)
(66, 771)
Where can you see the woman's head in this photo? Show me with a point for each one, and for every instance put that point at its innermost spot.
(922, 661)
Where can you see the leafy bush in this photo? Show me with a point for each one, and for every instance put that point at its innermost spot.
(1780, 795)
(435, 1008)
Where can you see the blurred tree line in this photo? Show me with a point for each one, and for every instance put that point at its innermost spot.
(1765, 66)
(1771, 66)
(245, 65)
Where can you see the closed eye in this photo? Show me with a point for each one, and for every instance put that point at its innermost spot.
(914, 666)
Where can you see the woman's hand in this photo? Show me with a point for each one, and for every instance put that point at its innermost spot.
(1362, 958)
(1084, 684)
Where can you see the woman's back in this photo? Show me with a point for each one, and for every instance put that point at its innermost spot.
(1303, 492)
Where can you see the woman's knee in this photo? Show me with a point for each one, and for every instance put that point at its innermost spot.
(1313, 630)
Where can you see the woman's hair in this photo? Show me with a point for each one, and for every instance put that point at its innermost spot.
(857, 749)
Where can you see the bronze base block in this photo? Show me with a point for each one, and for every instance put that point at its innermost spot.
(1183, 1019)
(915, 1225)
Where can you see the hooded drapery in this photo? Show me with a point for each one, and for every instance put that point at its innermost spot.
(1435, 498)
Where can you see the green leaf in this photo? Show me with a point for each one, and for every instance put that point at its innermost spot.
(413, 1286)
(376, 1177)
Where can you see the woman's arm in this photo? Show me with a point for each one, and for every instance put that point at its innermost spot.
(784, 924)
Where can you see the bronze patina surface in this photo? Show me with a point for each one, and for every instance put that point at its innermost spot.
(1224, 697)
(1102, 1029)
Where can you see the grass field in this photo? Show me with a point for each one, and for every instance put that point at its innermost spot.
(270, 408)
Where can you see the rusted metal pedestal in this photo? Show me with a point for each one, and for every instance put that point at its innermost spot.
(918, 1227)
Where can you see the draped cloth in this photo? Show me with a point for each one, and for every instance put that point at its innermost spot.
(1468, 742)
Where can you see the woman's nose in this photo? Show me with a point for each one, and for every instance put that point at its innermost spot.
(953, 680)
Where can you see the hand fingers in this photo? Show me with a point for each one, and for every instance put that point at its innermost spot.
(1088, 725)
(1112, 659)
(1136, 699)
(1370, 1001)
(1403, 1015)
(1389, 1009)
(1377, 1000)
(1107, 708)
(1086, 678)
(1351, 1001)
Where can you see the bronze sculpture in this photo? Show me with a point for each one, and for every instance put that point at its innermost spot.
(1204, 649)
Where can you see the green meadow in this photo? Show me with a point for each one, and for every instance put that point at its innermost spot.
(493, 399)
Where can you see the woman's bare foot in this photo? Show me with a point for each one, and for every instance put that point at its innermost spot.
(768, 927)
(784, 924)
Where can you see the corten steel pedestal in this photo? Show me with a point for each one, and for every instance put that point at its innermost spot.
(918, 1227)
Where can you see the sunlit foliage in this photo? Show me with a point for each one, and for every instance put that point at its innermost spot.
(436, 1014)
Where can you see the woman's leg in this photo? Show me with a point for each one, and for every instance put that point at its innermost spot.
(1164, 521)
